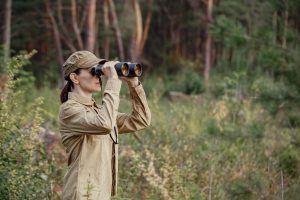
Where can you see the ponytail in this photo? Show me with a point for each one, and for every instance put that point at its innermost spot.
(67, 88)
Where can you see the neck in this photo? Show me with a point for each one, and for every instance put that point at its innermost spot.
(81, 92)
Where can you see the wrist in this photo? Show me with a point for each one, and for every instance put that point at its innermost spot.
(133, 83)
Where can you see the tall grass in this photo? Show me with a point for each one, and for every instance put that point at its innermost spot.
(237, 139)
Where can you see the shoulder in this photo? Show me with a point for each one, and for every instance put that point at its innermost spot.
(70, 108)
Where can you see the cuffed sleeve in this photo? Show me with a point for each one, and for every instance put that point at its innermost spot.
(79, 119)
(113, 85)
(140, 117)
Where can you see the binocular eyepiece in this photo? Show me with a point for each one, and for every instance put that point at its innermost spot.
(123, 69)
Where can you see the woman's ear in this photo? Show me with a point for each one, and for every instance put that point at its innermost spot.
(74, 78)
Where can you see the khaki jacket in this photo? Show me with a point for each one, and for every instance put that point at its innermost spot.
(90, 134)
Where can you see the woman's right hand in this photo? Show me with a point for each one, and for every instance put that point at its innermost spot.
(109, 70)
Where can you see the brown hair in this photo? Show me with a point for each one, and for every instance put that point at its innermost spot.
(68, 87)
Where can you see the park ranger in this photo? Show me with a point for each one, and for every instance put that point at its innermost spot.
(90, 131)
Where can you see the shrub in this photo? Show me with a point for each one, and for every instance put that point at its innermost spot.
(24, 168)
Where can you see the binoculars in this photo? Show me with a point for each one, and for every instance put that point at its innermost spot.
(127, 69)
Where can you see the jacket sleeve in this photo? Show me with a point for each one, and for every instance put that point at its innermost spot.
(81, 120)
(140, 117)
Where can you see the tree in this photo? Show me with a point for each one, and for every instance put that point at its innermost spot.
(7, 28)
(58, 45)
(118, 34)
(208, 41)
(91, 30)
(140, 35)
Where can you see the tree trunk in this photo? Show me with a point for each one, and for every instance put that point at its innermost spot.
(75, 24)
(137, 36)
(147, 27)
(65, 33)
(286, 17)
(57, 41)
(140, 36)
(7, 28)
(106, 47)
(91, 31)
(208, 41)
(117, 29)
(274, 20)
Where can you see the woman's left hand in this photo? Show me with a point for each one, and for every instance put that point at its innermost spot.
(131, 81)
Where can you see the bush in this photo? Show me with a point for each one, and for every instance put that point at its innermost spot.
(187, 81)
(24, 168)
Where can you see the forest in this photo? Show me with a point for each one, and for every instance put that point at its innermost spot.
(222, 79)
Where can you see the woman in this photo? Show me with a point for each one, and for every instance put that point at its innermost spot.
(90, 131)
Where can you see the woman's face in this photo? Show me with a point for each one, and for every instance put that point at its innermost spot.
(88, 82)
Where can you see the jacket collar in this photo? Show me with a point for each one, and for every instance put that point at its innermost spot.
(81, 99)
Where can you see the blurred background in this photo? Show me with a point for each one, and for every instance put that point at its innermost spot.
(222, 78)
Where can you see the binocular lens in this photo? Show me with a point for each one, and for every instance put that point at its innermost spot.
(135, 69)
(122, 69)
(138, 70)
(125, 69)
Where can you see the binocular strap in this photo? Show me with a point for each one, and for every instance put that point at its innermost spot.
(116, 135)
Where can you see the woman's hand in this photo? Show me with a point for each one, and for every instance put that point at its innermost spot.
(131, 81)
(109, 70)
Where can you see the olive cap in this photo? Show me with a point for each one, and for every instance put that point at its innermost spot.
(80, 59)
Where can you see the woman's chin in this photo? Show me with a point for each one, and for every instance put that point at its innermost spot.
(97, 89)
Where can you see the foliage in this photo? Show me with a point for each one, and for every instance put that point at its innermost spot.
(237, 136)
(24, 167)
(226, 149)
